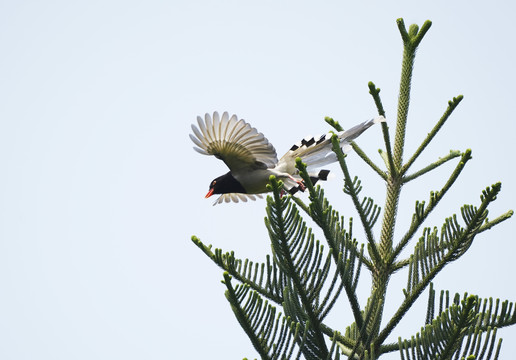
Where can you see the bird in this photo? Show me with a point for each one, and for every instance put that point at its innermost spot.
(252, 159)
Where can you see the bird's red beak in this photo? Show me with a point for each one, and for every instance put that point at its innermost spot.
(210, 193)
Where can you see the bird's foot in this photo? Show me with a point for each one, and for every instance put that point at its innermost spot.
(300, 184)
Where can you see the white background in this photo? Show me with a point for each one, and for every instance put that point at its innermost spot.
(100, 190)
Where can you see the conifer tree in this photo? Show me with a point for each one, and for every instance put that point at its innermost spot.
(305, 277)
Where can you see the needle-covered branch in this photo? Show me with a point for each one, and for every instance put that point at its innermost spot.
(490, 223)
(274, 336)
(452, 104)
(452, 244)
(411, 40)
(264, 278)
(422, 212)
(335, 124)
(352, 191)
(490, 312)
(375, 93)
(347, 257)
(443, 338)
(475, 337)
(302, 261)
(306, 208)
(452, 155)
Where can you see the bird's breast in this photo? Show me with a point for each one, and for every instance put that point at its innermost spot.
(255, 181)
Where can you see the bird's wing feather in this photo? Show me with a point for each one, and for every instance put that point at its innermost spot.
(233, 141)
(236, 197)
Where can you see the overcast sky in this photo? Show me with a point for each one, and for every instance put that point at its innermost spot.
(100, 189)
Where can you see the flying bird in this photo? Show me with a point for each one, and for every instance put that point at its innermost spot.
(251, 159)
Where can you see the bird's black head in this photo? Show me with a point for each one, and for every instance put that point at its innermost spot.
(225, 184)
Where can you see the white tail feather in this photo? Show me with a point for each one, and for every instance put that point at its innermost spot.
(317, 151)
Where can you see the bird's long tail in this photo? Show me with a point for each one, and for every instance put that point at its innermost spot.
(317, 151)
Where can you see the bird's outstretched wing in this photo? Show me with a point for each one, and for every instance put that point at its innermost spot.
(233, 141)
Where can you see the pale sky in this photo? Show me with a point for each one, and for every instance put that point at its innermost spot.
(100, 189)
